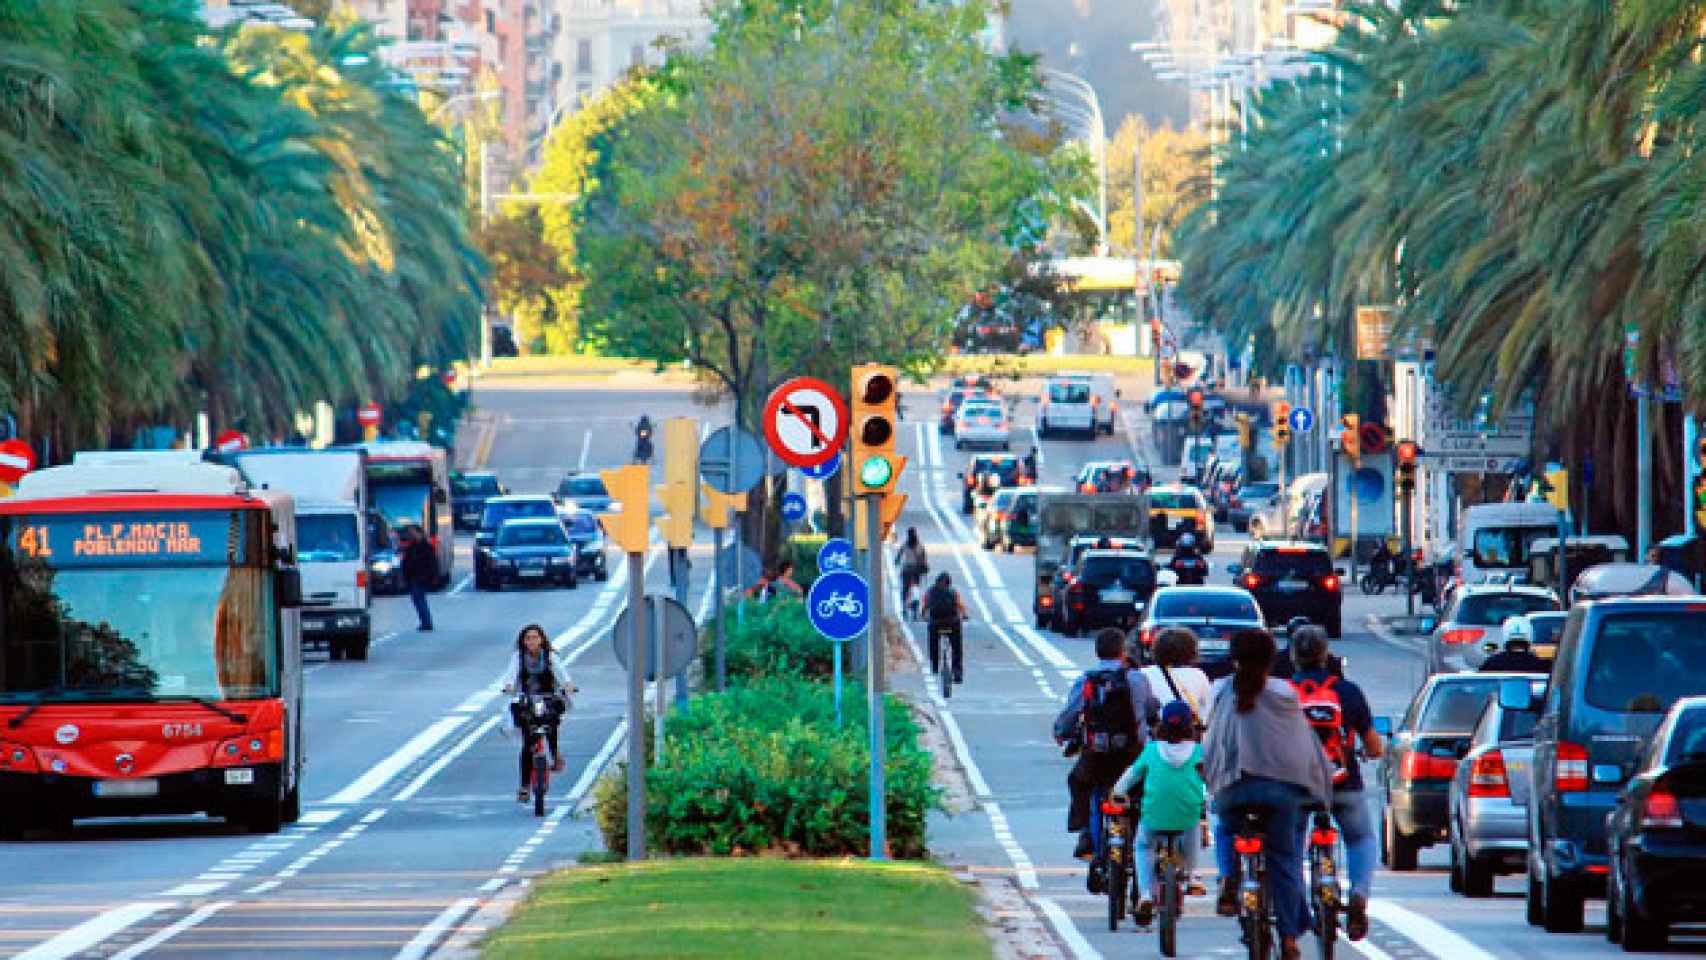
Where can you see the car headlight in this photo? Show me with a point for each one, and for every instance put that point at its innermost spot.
(383, 567)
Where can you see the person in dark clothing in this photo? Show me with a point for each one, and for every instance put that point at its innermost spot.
(420, 569)
(946, 611)
(1102, 754)
(1518, 656)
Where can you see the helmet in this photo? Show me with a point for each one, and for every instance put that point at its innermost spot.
(1519, 633)
(1188, 541)
(1295, 624)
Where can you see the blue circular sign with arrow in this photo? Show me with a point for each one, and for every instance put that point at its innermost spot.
(1302, 419)
(793, 507)
(823, 471)
(839, 605)
(835, 554)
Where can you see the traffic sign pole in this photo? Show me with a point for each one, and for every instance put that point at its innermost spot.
(717, 603)
(637, 650)
(874, 673)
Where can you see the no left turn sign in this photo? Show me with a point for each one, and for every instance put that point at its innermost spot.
(805, 422)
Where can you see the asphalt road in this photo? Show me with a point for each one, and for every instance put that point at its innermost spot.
(410, 824)
(1016, 680)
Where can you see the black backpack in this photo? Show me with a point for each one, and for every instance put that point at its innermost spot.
(1108, 719)
(942, 605)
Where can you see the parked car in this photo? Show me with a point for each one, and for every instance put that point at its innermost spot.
(1416, 773)
(1214, 614)
(585, 491)
(1017, 525)
(1047, 605)
(384, 564)
(591, 555)
(1249, 501)
(1619, 667)
(1656, 835)
(1291, 579)
(499, 510)
(987, 473)
(1175, 510)
(1110, 476)
(530, 551)
(1472, 627)
(1109, 588)
(982, 423)
(1487, 810)
(468, 495)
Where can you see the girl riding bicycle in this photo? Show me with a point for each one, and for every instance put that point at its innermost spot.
(1170, 772)
(535, 670)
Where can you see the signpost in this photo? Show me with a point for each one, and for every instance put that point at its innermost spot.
(839, 606)
(731, 461)
(835, 554)
(674, 644)
(16, 459)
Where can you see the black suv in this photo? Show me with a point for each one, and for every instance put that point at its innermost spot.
(1291, 579)
(986, 474)
(1047, 603)
(1109, 588)
(500, 509)
(1619, 667)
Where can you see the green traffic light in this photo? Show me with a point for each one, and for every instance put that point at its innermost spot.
(876, 472)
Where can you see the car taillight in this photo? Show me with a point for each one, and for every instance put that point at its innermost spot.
(1570, 772)
(971, 481)
(361, 579)
(1247, 846)
(1088, 488)
(1462, 635)
(1329, 582)
(1661, 810)
(1095, 401)
(1045, 601)
(435, 541)
(1202, 520)
(1426, 766)
(1323, 838)
(947, 408)
(1487, 776)
(1146, 636)
(1001, 517)
(1251, 581)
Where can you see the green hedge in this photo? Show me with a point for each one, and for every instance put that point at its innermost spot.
(805, 547)
(763, 768)
(776, 640)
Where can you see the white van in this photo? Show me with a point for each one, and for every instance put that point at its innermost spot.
(1493, 539)
(1068, 406)
(330, 490)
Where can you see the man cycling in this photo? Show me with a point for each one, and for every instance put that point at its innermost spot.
(1108, 709)
(1518, 656)
(1338, 711)
(946, 611)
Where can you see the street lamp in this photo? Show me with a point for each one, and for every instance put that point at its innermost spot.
(1098, 131)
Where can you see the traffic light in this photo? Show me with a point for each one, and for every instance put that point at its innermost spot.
(681, 477)
(1195, 399)
(716, 506)
(875, 424)
(1350, 440)
(628, 486)
(1373, 438)
(1246, 432)
(1407, 452)
(1282, 423)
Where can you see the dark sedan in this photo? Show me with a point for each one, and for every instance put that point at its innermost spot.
(588, 534)
(1415, 775)
(1214, 614)
(530, 552)
(1656, 835)
(384, 561)
(468, 495)
(501, 510)
(1109, 588)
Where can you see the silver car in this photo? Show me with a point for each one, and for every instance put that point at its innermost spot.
(1250, 501)
(1472, 627)
(1487, 807)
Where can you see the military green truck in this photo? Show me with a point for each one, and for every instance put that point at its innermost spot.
(1064, 516)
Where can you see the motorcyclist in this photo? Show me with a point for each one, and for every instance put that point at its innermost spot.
(1518, 656)
(643, 440)
(1380, 564)
(1187, 563)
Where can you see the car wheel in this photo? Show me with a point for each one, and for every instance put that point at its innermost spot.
(1536, 906)
(1401, 849)
(1640, 932)
(1007, 546)
(1454, 877)
(1335, 628)
(1564, 906)
(1613, 909)
(1477, 875)
(356, 649)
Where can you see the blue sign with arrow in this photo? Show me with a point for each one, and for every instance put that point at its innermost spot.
(839, 605)
(835, 554)
(793, 507)
(823, 471)
(1302, 419)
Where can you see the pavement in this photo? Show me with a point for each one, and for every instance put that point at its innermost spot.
(412, 843)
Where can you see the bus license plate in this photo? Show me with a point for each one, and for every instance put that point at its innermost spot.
(127, 788)
(533, 571)
(239, 776)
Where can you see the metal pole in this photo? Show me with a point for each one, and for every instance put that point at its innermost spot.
(1644, 474)
(637, 649)
(717, 606)
(1690, 468)
(1409, 563)
(874, 672)
(654, 611)
(681, 584)
(837, 645)
(740, 518)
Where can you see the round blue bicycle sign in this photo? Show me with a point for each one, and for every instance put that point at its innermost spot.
(839, 605)
(835, 554)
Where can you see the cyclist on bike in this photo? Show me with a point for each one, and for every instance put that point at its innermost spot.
(914, 563)
(1338, 711)
(1107, 710)
(1260, 752)
(1170, 772)
(535, 670)
(1518, 656)
(946, 611)
(1285, 667)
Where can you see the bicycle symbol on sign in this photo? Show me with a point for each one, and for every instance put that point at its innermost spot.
(845, 603)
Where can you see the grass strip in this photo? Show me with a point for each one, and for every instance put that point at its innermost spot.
(745, 907)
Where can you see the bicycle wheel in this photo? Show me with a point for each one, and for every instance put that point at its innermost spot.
(1324, 902)
(541, 782)
(1117, 869)
(1169, 891)
(945, 672)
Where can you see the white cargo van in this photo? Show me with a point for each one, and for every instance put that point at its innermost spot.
(330, 490)
(1068, 406)
(1493, 539)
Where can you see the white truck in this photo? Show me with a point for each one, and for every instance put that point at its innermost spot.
(330, 490)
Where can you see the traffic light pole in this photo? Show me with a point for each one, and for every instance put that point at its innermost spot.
(717, 605)
(875, 650)
(637, 657)
(1409, 561)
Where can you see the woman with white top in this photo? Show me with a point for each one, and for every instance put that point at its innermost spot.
(1175, 676)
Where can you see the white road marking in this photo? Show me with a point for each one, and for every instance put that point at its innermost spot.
(319, 818)
(1430, 936)
(461, 585)
(589, 776)
(586, 447)
(166, 933)
(493, 885)
(1067, 930)
(382, 773)
(95, 930)
(264, 887)
(428, 935)
(446, 759)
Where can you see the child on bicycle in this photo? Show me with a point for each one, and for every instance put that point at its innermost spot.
(1169, 770)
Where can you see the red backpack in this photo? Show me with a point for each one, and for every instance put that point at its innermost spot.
(1326, 717)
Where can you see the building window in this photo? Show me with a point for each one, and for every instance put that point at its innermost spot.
(637, 55)
(491, 21)
(583, 56)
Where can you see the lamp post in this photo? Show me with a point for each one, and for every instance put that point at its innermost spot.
(1091, 117)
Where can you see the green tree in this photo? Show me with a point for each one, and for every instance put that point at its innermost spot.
(1174, 162)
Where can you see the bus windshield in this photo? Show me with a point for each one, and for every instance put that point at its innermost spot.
(403, 504)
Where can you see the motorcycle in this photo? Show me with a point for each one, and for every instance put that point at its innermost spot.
(1191, 569)
(643, 445)
(1382, 572)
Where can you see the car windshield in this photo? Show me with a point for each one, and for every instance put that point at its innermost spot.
(1688, 738)
(1305, 562)
(582, 487)
(531, 535)
(496, 513)
(1071, 392)
(1126, 571)
(1517, 725)
(326, 538)
(1208, 605)
(1455, 706)
(1506, 546)
(1173, 500)
(1493, 609)
(1006, 470)
(1643, 661)
(474, 486)
(582, 524)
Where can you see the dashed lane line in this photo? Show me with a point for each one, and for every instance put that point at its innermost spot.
(196, 918)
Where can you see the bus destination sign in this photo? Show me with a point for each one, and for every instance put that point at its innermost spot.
(71, 540)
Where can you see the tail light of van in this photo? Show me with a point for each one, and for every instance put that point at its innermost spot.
(1462, 635)
(1570, 769)
(971, 479)
(435, 541)
(1330, 582)
(1426, 766)
(1045, 601)
(361, 579)
(1487, 776)
(1095, 401)
(1661, 811)
(1252, 581)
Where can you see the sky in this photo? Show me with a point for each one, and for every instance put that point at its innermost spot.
(1092, 38)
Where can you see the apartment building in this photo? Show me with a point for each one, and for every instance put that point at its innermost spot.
(602, 40)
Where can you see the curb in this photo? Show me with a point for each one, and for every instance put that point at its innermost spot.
(464, 943)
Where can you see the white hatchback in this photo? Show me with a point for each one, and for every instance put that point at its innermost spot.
(982, 423)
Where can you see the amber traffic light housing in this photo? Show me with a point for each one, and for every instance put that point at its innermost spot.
(875, 426)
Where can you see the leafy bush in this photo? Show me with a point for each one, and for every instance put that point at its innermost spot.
(805, 547)
(763, 767)
(777, 640)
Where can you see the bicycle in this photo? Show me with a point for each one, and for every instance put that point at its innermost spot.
(1170, 881)
(1255, 900)
(537, 713)
(942, 655)
(1325, 897)
(1118, 856)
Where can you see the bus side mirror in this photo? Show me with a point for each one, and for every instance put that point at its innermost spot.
(1516, 695)
(288, 588)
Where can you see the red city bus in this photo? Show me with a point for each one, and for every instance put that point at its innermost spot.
(150, 645)
(408, 483)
